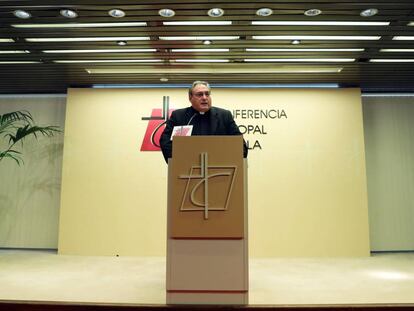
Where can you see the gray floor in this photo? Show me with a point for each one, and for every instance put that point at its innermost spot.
(46, 276)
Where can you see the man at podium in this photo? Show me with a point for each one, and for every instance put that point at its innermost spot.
(199, 119)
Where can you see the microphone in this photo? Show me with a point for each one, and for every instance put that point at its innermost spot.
(192, 117)
(196, 113)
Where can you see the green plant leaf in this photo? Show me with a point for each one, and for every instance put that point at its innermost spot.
(20, 115)
(15, 127)
(12, 154)
(23, 132)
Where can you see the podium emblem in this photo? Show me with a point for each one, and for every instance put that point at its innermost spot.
(208, 187)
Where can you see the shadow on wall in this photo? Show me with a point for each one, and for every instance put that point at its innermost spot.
(29, 199)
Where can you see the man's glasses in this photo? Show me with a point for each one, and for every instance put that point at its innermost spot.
(201, 94)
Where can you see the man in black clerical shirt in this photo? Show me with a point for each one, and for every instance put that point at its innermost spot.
(205, 119)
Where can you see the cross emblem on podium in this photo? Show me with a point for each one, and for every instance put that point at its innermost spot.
(204, 181)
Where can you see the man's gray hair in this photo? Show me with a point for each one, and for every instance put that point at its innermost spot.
(195, 83)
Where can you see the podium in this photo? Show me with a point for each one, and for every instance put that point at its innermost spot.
(207, 253)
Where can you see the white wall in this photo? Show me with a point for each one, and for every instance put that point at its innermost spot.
(389, 145)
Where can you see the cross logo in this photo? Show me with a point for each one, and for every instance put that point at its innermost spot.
(208, 187)
(155, 127)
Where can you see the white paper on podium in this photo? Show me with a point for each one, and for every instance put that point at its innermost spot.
(182, 130)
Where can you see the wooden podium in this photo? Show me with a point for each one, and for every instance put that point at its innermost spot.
(207, 254)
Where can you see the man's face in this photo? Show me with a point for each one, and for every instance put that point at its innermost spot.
(200, 98)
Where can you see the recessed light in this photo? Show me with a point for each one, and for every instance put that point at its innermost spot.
(312, 12)
(397, 50)
(117, 13)
(200, 38)
(198, 23)
(299, 37)
(318, 23)
(101, 51)
(3, 40)
(166, 12)
(304, 50)
(403, 38)
(295, 42)
(68, 13)
(264, 12)
(207, 42)
(19, 62)
(86, 39)
(15, 52)
(201, 60)
(83, 61)
(80, 25)
(369, 12)
(215, 12)
(22, 14)
(391, 60)
(199, 50)
(121, 43)
(163, 79)
(214, 69)
(300, 60)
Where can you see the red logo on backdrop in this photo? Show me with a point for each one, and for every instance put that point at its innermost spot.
(155, 127)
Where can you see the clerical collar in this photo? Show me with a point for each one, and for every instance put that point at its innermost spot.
(206, 113)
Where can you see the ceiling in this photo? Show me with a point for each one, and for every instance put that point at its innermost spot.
(306, 63)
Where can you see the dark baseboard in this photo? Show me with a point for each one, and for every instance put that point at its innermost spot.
(66, 306)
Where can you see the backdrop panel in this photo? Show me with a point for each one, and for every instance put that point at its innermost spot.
(307, 184)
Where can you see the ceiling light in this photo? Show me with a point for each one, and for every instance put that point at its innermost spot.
(68, 13)
(80, 25)
(213, 69)
(82, 61)
(403, 38)
(19, 62)
(163, 79)
(201, 60)
(312, 12)
(264, 12)
(200, 38)
(121, 43)
(198, 23)
(318, 23)
(86, 39)
(391, 60)
(4, 40)
(410, 24)
(101, 51)
(300, 60)
(316, 37)
(166, 12)
(397, 50)
(368, 12)
(15, 52)
(207, 42)
(117, 13)
(22, 14)
(199, 50)
(304, 50)
(295, 42)
(215, 12)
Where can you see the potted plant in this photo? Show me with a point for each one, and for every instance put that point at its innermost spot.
(14, 128)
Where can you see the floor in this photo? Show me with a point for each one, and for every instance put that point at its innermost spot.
(46, 276)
